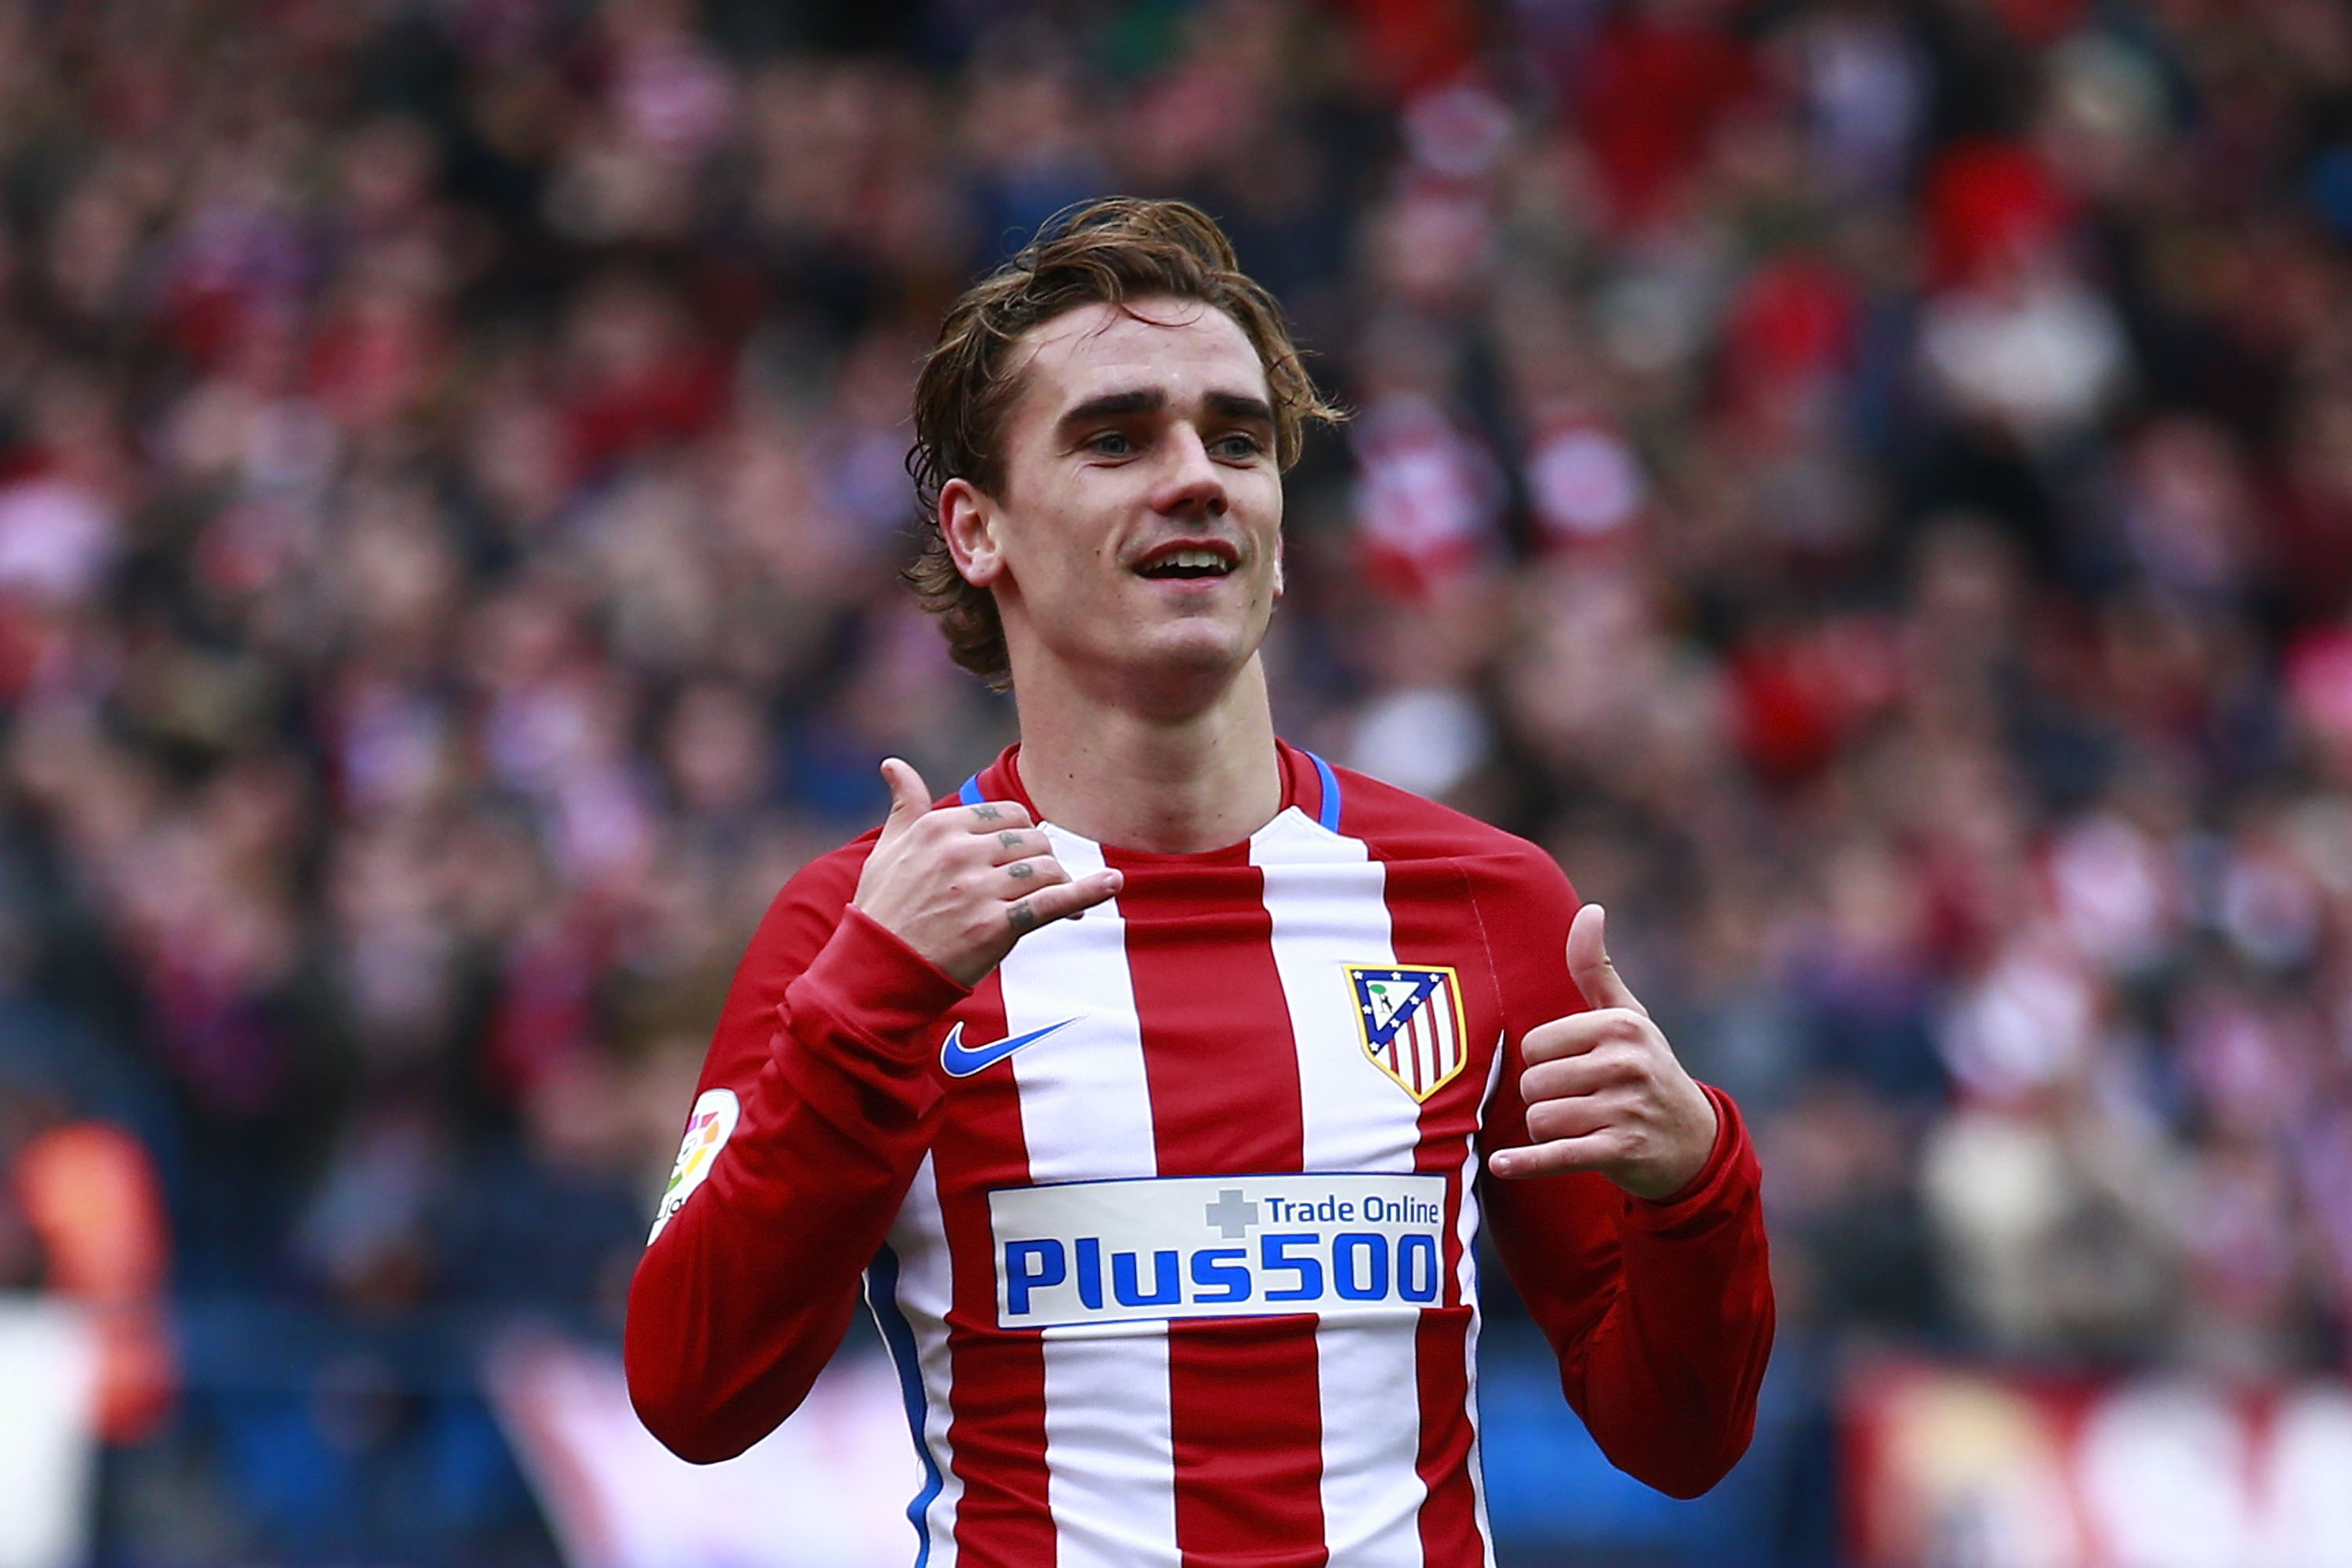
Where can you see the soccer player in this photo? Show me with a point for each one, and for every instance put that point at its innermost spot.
(1148, 1083)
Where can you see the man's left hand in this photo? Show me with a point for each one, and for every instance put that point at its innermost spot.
(1602, 1088)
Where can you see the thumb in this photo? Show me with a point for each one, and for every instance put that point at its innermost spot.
(1589, 965)
(910, 796)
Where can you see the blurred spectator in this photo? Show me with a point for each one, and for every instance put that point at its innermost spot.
(81, 1217)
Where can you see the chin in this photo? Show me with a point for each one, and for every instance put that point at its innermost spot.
(1197, 658)
(1209, 642)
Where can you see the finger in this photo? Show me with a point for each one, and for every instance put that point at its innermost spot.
(1579, 1034)
(1591, 1151)
(1569, 1077)
(910, 796)
(1009, 844)
(1066, 901)
(1589, 965)
(1573, 1116)
(1035, 874)
(991, 814)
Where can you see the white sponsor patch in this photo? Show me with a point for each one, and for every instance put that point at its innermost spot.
(1155, 1248)
(708, 1128)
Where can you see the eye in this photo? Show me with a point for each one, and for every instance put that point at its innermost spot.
(1238, 447)
(1111, 444)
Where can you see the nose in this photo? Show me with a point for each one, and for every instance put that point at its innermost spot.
(1192, 482)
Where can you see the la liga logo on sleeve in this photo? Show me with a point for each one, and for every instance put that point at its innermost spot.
(708, 1128)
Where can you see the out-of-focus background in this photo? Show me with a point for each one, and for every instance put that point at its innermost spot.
(1867, 482)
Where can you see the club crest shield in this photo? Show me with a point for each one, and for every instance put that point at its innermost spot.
(1410, 1019)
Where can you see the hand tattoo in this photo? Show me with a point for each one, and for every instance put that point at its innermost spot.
(987, 814)
(1020, 918)
(1009, 839)
(1021, 871)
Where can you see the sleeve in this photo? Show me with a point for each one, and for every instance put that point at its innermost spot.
(1661, 1313)
(815, 1109)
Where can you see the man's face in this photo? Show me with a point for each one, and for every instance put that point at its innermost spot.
(1137, 535)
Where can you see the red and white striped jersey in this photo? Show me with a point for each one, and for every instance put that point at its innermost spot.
(1169, 1223)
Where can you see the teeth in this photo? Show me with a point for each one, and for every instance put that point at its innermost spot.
(1196, 558)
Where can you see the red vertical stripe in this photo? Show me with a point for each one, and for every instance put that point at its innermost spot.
(998, 1434)
(1449, 1515)
(1244, 1403)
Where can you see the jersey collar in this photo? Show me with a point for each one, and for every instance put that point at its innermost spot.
(1307, 783)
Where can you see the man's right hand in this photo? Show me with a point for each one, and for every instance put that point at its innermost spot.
(962, 884)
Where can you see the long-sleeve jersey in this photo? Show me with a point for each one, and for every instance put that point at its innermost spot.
(1169, 1223)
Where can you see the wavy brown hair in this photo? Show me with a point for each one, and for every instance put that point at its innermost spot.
(1107, 252)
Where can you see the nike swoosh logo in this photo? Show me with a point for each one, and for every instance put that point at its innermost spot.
(962, 1063)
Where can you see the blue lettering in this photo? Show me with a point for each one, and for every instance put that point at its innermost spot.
(1273, 1252)
(1374, 1250)
(1220, 1267)
(1020, 1279)
(1165, 1279)
(1089, 1250)
(1424, 1250)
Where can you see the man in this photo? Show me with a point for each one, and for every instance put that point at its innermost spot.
(1148, 1082)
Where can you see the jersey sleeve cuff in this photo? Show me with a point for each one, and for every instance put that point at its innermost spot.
(857, 1029)
(870, 985)
(1729, 1178)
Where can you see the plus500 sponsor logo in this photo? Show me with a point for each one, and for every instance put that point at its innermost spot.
(1208, 1247)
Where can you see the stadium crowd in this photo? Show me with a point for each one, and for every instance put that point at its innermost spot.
(1867, 482)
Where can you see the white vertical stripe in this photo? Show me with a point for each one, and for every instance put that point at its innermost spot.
(1086, 1113)
(1466, 1276)
(1327, 898)
(926, 1291)
(1110, 1451)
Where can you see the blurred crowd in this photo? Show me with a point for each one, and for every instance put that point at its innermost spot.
(1868, 483)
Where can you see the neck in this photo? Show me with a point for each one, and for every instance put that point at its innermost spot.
(1169, 779)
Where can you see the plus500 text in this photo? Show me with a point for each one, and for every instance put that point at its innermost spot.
(1148, 1250)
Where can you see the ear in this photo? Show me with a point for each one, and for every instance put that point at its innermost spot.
(969, 522)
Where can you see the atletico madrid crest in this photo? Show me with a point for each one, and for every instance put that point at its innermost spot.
(1412, 1023)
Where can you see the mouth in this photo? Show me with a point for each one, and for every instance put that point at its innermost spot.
(1187, 560)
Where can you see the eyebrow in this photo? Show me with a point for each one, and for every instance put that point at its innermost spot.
(1239, 408)
(1236, 407)
(1113, 406)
